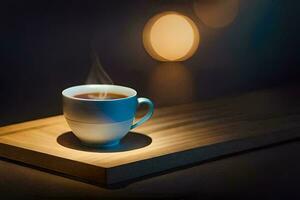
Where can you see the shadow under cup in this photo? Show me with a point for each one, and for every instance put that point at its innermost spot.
(102, 122)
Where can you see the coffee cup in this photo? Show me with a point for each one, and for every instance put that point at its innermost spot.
(101, 115)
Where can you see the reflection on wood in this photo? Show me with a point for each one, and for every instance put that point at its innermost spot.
(180, 135)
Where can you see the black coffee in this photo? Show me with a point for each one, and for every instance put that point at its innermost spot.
(100, 95)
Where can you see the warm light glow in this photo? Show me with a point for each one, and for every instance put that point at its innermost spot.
(170, 36)
(171, 83)
(218, 13)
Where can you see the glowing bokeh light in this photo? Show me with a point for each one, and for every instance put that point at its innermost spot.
(170, 36)
(217, 13)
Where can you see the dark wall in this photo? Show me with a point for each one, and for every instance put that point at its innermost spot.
(46, 47)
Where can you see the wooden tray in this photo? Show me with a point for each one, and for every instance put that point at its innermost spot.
(176, 136)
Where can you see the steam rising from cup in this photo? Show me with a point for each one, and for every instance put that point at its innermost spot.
(97, 74)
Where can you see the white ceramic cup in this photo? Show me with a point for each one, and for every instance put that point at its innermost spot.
(102, 122)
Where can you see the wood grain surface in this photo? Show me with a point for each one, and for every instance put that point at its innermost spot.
(175, 136)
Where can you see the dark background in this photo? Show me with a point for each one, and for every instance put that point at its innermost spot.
(46, 47)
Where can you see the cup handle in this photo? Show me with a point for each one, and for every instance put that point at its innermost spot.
(143, 100)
